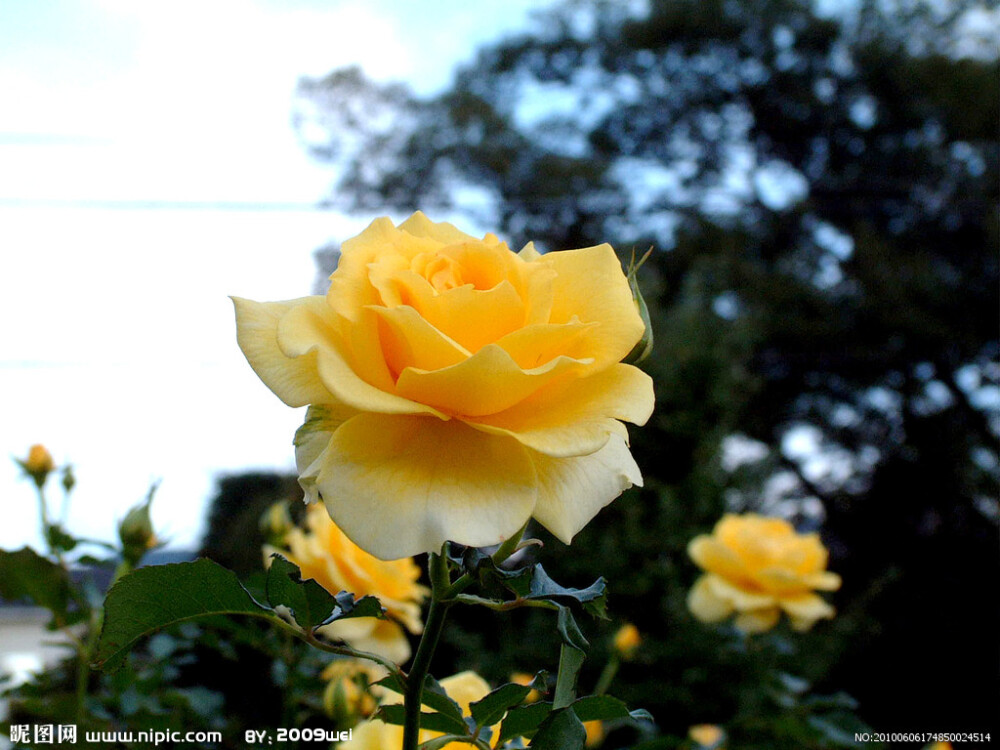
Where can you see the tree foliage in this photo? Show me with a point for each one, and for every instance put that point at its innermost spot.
(823, 193)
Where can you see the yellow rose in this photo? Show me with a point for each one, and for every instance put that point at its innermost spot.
(758, 567)
(457, 388)
(464, 688)
(325, 554)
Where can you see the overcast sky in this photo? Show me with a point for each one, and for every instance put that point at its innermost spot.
(118, 348)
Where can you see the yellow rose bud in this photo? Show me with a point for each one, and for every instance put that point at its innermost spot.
(627, 641)
(325, 554)
(757, 568)
(457, 388)
(708, 736)
(595, 732)
(39, 464)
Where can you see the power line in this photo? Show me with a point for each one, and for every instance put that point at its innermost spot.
(163, 205)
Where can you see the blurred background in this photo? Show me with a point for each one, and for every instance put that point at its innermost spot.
(819, 182)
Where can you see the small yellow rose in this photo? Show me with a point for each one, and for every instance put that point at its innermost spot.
(758, 567)
(456, 388)
(39, 464)
(464, 688)
(325, 554)
(708, 736)
(627, 641)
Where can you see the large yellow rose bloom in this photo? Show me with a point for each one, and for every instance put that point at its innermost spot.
(457, 388)
(463, 688)
(757, 567)
(325, 554)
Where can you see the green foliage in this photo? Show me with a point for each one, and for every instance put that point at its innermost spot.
(26, 574)
(857, 302)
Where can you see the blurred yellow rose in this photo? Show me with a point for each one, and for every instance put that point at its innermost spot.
(464, 688)
(525, 679)
(708, 736)
(758, 567)
(595, 732)
(325, 554)
(627, 641)
(350, 690)
(456, 388)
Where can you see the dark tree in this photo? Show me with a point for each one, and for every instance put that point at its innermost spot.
(823, 193)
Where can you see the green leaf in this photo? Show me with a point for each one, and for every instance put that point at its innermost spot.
(491, 708)
(570, 661)
(153, 597)
(434, 697)
(59, 538)
(436, 722)
(569, 630)
(593, 598)
(523, 721)
(309, 602)
(606, 708)
(26, 574)
(562, 730)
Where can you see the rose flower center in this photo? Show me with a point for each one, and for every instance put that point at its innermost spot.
(441, 271)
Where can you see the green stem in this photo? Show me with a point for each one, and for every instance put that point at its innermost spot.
(414, 697)
(607, 675)
(310, 637)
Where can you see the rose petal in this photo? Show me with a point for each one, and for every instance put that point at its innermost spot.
(535, 345)
(313, 327)
(705, 604)
(590, 285)
(740, 598)
(472, 317)
(716, 558)
(419, 225)
(575, 417)
(312, 439)
(408, 340)
(571, 491)
(400, 485)
(806, 607)
(487, 383)
(295, 380)
(757, 620)
(824, 581)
